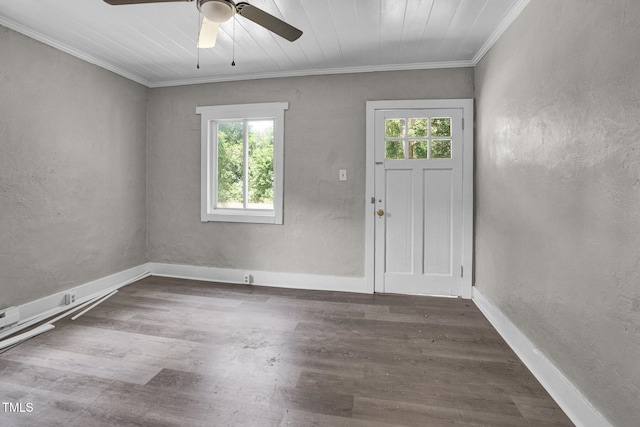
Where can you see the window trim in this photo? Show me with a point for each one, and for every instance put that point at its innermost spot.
(209, 116)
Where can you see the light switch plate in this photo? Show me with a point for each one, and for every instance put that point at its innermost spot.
(342, 175)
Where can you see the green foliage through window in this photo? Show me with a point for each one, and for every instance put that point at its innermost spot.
(418, 127)
(394, 128)
(253, 175)
(395, 150)
(441, 126)
(261, 162)
(230, 165)
(418, 137)
(441, 149)
(419, 149)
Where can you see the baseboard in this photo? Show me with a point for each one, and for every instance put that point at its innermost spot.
(43, 308)
(314, 282)
(566, 395)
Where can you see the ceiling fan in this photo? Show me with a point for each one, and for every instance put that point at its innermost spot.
(215, 12)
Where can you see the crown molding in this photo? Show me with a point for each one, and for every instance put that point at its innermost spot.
(316, 72)
(72, 51)
(511, 15)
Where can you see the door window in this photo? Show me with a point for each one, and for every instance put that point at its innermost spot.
(410, 138)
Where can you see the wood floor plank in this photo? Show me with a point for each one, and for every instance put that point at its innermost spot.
(29, 377)
(123, 404)
(295, 418)
(48, 408)
(539, 410)
(56, 396)
(174, 352)
(97, 366)
(461, 397)
(419, 415)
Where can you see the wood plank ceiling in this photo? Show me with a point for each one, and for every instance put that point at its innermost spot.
(155, 44)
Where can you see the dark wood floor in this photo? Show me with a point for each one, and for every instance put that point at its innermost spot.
(168, 352)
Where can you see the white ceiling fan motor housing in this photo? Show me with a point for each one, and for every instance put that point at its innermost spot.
(217, 11)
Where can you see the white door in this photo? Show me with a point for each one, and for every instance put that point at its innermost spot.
(418, 207)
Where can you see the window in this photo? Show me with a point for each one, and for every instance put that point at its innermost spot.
(418, 138)
(242, 162)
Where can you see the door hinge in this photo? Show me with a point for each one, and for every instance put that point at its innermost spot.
(463, 124)
(461, 271)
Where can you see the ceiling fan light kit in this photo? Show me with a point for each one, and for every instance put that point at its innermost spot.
(217, 11)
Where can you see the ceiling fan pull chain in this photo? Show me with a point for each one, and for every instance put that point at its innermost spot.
(233, 44)
(198, 38)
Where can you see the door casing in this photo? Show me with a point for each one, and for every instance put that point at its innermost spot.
(467, 183)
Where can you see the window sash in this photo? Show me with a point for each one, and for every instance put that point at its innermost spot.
(215, 149)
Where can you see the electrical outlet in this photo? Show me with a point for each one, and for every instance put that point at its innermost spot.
(248, 278)
(69, 299)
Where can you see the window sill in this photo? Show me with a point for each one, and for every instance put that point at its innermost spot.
(244, 216)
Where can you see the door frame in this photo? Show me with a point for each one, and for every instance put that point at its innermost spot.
(467, 183)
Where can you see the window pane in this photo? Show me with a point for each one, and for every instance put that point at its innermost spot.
(395, 150)
(441, 149)
(394, 128)
(418, 127)
(260, 164)
(230, 165)
(441, 126)
(418, 149)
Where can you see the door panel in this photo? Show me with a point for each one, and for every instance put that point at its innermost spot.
(399, 241)
(437, 221)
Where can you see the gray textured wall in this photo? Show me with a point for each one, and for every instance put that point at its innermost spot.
(323, 231)
(558, 190)
(72, 171)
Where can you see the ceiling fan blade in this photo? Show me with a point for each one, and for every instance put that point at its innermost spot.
(119, 2)
(268, 21)
(208, 34)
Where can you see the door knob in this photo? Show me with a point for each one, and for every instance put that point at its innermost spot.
(380, 212)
